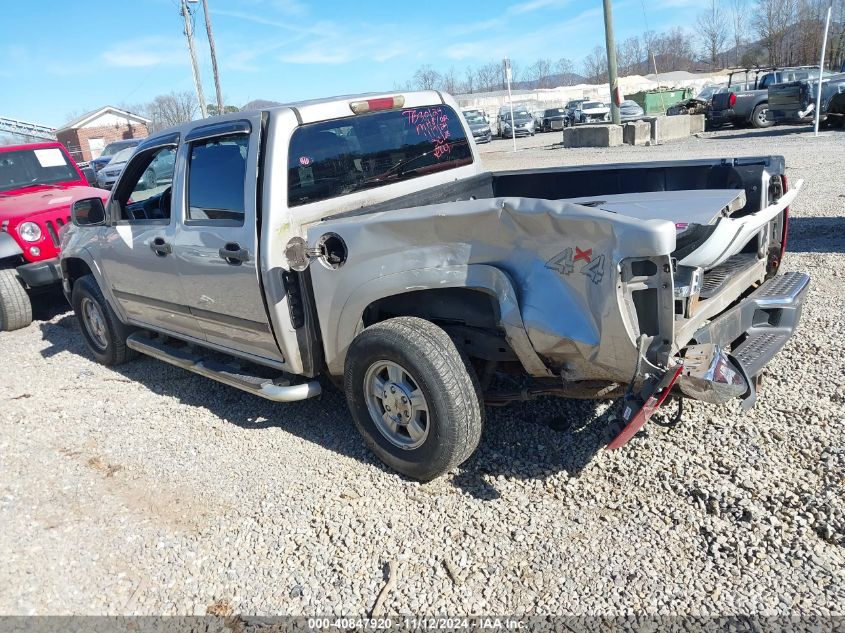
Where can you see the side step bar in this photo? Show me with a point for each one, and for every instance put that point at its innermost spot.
(278, 390)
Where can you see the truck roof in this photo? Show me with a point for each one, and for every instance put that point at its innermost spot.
(314, 110)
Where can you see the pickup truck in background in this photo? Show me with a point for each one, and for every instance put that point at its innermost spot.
(38, 184)
(746, 100)
(361, 239)
(795, 102)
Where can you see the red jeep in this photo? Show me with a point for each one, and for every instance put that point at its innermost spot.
(38, 184)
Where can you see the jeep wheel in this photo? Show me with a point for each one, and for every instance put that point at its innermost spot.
(15, 306)
(414, 397)
(102, 330)
(758, 117)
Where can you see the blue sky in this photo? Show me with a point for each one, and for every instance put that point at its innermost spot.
(60, 58)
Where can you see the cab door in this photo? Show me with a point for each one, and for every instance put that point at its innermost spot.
(136, 251)
(215, 245)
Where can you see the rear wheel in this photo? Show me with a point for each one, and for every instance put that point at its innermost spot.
(102, 330)
(15, 306)
(413, 396)
(758, 116)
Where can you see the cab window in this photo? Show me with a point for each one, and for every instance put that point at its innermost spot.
(341, 156)
(144, 190)
(216, 174)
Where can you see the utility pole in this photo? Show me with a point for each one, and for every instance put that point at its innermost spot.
(213, 56)
(189, 33)
(613, 80)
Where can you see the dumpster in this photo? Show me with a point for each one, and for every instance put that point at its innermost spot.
(657, 101)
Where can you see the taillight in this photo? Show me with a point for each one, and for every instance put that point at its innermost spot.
(732, 99)
(373, 105)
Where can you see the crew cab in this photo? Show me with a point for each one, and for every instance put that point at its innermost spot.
(746, 100)
(361, 239)
(38, 184)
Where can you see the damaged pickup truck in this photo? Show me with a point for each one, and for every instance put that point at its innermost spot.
(360, 238)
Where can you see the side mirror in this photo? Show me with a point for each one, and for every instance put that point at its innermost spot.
(88, 212)
(90, 176)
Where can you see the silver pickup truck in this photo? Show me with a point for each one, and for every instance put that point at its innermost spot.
(361, 239)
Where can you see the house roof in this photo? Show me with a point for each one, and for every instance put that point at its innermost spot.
(90, 116)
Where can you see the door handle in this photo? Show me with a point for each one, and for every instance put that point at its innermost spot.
(234, 254)
(160, 247)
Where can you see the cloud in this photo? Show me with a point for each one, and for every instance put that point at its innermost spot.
(145, 52)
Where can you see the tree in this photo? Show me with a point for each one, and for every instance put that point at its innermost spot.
(713, 31)
(211, 108)
(171, 109)
(469, 80)
(489, 76)
(772, 20)
(449, 81)
(739, 19)
(565, 68)
(630, 57)
(595, 65)
(540, 72)
(426, 78)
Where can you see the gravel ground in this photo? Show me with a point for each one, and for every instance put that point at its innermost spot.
(146, 489)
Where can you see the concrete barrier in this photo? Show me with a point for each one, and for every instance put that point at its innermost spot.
(636, 132)
(668, 128)
(592, 136)
(696, 123)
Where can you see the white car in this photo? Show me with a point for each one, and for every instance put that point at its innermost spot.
(593, 112)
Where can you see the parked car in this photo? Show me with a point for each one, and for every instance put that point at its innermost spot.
(109, 151)
(477, 112)
(157, 172)
(795, 102)
(573, 109)
(377, 250)
(630, 111)
(478, 125)
(746, 100)
(698, 104)
(593, 112)
(523, 124)
(552, 119)
(38, 184)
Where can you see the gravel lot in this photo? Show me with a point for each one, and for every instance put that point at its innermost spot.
(149, 490)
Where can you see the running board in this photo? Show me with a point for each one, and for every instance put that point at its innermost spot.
(277, 390)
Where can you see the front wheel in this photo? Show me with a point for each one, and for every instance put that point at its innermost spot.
(759, 117)
(102, 330)
(414, 397)
(15, 306)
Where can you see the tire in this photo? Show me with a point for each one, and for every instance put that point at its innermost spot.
(758, 117)
(15, 306)
(421, 362)
(104, 334)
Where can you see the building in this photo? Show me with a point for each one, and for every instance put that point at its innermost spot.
(86, 136)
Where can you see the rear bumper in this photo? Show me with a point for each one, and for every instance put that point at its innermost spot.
(757, 328)
(44, 273)
(723, 116)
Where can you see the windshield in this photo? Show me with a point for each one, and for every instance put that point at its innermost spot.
(518, 115)
(473, 118)
(554, 111)
(629, 104)
(592, 104)
(114, 148)
(707, 92)
(34, 166)
(338, 157)
(122, 156)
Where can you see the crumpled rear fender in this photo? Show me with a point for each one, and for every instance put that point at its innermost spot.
(561, 261)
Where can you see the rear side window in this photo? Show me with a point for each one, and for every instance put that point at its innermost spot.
(216, 179)
(338, 157)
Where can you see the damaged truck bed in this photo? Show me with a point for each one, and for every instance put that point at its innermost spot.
(361, 238)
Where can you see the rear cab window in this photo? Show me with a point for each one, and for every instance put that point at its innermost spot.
(338, 157)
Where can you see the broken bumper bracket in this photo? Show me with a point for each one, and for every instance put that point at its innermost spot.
(637, 409)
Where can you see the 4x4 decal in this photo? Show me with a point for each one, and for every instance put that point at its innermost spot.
(564, 263)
